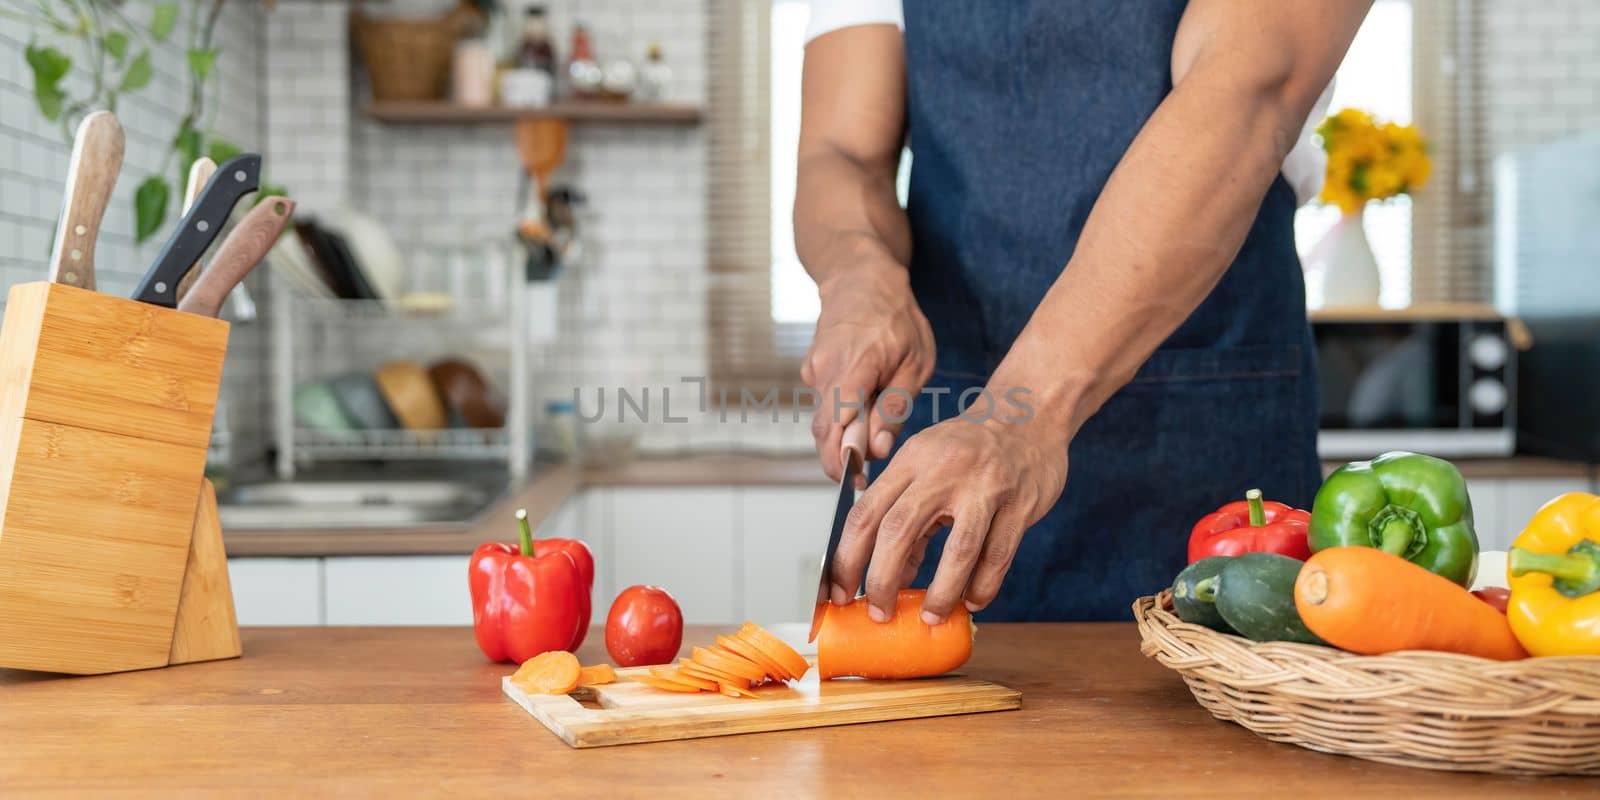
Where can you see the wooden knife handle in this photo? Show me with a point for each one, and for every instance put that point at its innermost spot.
(245, 246)
(200, 173)
(91, 175)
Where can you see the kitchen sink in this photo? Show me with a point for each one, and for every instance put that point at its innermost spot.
(363, 503)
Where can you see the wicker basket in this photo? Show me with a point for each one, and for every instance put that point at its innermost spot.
(409, 59)
(1415, 709)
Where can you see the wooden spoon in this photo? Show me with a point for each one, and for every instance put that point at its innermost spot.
(542, 144)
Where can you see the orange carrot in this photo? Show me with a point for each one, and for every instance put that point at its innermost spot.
(732, 690)
(711, 674)
(665, 685)
(597, 675)
(749, 651)
(1367, 601)
(793, 663)
(850, 644)
(555, 672)
(671, 673)
(732, 665)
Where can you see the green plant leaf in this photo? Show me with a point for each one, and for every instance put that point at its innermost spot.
(163, 18)
(49, 66)
(116, 44)
(201, 62)
(149, 207)
(187, 143)
(271, 190)
(221, 150)
(139, 73)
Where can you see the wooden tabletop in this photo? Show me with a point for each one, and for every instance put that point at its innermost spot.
(365, 711)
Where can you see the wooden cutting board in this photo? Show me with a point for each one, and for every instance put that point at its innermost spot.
(627, 712)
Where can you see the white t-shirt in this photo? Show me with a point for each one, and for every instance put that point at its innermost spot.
(1304, 167)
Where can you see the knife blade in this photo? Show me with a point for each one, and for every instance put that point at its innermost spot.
(238, 177)
(852, 459)
(244, 248)
(91, 175)
(200, 173)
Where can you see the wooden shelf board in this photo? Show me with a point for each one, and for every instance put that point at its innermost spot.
(448, 113)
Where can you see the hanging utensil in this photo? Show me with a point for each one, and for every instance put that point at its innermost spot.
(91, 175)
(240, 176)
(244, 248)
(200, 173)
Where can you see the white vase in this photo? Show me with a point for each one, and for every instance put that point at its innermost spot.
(1342, 263)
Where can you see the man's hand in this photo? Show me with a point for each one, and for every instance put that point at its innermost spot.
(872, 341)
(989, 480)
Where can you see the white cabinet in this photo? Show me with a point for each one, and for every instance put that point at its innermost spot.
(397, 590)
(679, 538)
(1502, 507)
(784, 530)
(277, 591)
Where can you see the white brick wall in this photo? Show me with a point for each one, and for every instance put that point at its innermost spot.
(33, 168)
(1542, 71)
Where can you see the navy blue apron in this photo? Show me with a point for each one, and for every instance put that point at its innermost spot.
(1018, 112)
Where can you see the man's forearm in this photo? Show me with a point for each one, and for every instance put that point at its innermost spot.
(846, 214)
(1169, 222)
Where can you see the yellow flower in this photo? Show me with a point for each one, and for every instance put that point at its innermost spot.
(1369, 160)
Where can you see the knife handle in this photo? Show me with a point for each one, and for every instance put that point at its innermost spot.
(91, 175)
(855, 438)
(245, 246)
(200, 173)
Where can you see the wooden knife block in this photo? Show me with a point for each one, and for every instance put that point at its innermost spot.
(110, 553)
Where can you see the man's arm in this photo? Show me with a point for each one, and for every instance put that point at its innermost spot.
(852, 235)
(1169, 222)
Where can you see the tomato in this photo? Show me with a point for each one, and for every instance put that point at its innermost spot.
(1496, 596)
(644, 627)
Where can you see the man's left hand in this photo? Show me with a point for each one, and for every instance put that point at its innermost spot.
(989, 480)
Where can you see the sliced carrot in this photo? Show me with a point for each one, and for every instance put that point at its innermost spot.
(667, 672)
(664, 684)
(721, 660)
(773, 669)
(734, 691)
(597, 675)
(555, 672)
(715, 675)
(792, 662)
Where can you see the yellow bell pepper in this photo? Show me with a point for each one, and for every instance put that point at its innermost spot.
(1554, 573)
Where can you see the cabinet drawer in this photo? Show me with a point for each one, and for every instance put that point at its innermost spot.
(681, 539)
(397, 590)
(277, 591)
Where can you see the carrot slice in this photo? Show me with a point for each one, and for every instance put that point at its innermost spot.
(734, 691)
(670, 673)
(727, 663)
(774, 670)
(664, 684)
(713, 675)
(555, 672)
(597, 675)
(757, 636)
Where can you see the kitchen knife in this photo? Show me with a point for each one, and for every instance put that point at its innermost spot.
(852, 460)
(91, 175)
(244, 248)
(200, 173)
(240, 176)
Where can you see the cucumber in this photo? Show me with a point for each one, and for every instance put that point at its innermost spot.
(1200, 608)
(1255, 595)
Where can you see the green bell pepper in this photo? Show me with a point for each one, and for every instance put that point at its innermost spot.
(1411, 505)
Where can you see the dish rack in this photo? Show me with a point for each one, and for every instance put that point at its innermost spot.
(315, 338)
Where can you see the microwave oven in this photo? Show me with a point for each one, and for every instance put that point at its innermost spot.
(1440, 380)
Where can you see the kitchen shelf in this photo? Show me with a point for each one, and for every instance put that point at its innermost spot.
(471, 444)
(445, 113)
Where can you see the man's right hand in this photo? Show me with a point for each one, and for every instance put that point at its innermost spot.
(872, 342)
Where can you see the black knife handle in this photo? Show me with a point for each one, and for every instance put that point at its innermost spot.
(236, 178)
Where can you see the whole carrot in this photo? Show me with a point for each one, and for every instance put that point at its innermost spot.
(849, 644)
(1367, 601)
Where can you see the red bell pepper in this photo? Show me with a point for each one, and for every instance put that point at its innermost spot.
(585, 561)
(524, 604)
(1251, 526)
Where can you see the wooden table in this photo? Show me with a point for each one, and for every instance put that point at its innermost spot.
(417, 710)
